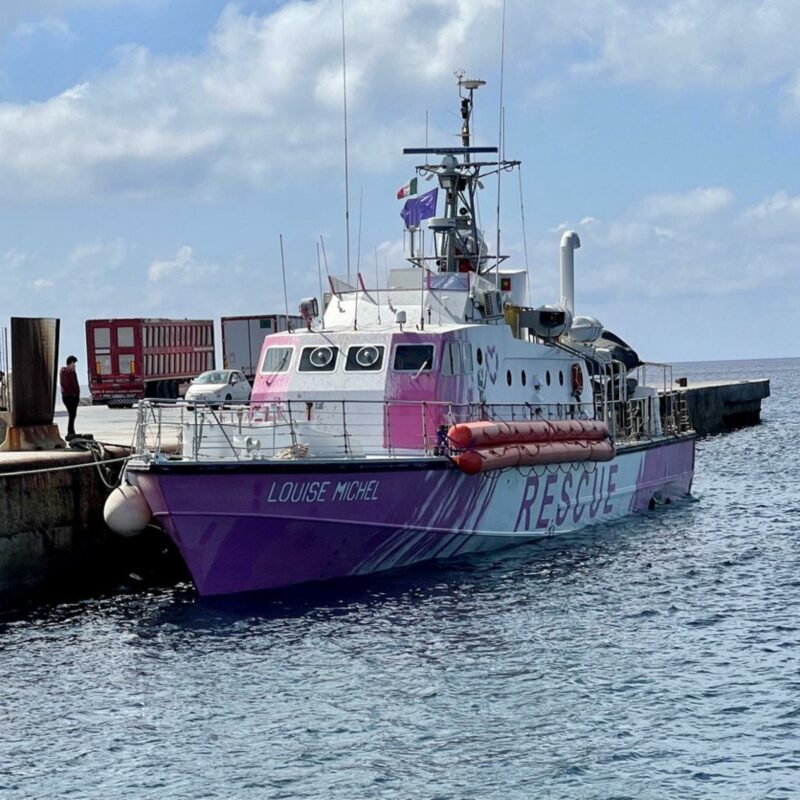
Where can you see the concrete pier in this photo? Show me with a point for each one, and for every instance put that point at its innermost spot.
(718, 406)
(53, 540)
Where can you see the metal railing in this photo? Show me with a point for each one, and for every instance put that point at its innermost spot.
(349, 429)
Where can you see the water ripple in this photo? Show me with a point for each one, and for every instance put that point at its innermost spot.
(654, 658)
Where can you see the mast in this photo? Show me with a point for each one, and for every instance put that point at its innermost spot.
(459, 244)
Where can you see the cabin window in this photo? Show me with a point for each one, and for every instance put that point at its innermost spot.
(466, 351)
(318, 359)
(276, 359)
(561, 377)
(413, 358)
(451, 359)
(479, 356)
(522, 377)
(364, 358)
(547, 377)
(508, 377)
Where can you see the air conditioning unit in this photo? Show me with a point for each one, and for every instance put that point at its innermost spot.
(491, 301)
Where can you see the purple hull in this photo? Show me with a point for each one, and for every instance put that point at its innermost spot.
(252, 526)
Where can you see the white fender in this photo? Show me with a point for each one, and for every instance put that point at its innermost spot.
(126, 511)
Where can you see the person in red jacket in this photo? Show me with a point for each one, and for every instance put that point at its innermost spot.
(70, 392)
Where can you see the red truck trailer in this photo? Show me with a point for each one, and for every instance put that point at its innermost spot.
(134, 358)
(242, 338)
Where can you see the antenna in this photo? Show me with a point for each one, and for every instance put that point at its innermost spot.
(422, 237)
(325, 258)
(500, 139)
(285, 296)
(422, 297)
(360, 214)
(524, 235)
(319, 275)
(346, 163)
(378, 286)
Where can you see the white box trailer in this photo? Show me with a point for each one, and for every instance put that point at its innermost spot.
(242, 338)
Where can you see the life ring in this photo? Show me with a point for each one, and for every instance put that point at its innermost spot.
(576, 375)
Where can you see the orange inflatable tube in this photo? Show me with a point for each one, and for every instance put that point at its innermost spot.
(520, 455)
(467, 435)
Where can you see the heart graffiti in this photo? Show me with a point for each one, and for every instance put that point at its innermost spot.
(492, 362)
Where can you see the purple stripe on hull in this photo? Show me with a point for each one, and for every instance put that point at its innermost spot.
(244, 531)
(666, 471)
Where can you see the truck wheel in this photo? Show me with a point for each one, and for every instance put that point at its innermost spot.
(173, 390)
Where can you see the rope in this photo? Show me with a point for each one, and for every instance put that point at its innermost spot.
(64, 467)
(98, 451)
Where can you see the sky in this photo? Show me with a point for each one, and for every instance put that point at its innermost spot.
(153, 151)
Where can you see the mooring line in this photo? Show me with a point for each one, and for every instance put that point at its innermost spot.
(63, 467)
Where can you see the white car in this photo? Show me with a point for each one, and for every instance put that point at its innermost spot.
(219, 386)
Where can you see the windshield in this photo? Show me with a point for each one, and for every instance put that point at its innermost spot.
(212, 377)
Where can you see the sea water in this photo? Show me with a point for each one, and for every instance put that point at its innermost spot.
(654, 658)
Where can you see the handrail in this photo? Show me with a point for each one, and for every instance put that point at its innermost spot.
(359, 428)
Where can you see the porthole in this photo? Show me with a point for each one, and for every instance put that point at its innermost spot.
(561, 377)
(547, 377)
(479, 356)
(364, 358)
(320, 357)
(508, 377)
(522, 376)
(367, 356)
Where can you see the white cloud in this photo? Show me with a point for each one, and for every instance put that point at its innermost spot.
(737, 44)
(23, 17)
(780, 204)
(184, 267)
(41, 284)
(261, 104)
(791, 99)
(636, 256)
(102, 253)
(49, 26)
(14, 259)
(688, 206)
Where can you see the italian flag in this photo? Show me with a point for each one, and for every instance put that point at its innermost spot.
(407, 190)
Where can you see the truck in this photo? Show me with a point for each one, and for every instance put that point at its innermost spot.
(130, 359)
(242, 338)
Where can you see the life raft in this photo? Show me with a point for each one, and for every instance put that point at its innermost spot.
(467, 435)
(489, 446)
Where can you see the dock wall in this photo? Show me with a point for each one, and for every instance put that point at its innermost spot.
(53, 539)
(718, 407)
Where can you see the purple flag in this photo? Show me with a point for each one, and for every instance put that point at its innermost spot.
(419, 208)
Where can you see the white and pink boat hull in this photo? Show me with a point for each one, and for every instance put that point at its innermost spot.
(264, 525)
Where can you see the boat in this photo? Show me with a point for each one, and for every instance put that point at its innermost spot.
(437, 416)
